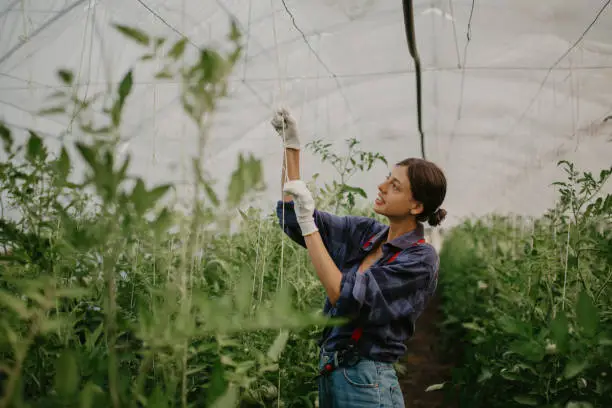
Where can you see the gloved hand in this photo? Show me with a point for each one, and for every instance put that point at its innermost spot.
(304, 205)
(286, 127)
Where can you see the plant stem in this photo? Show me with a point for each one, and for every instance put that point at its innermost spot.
(16, 371)
(139, 383)
(184, 375)
(600, 291)
(20, 355)
(110, 326)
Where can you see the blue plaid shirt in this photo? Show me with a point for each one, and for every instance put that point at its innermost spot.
(384, 300)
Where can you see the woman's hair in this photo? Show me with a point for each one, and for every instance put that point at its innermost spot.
(428, 185)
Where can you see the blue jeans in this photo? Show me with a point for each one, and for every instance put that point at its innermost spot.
(367, 384)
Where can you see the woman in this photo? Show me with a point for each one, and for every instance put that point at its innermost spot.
(378, 276)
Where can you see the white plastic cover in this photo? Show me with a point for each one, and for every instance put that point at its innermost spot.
(499, 111)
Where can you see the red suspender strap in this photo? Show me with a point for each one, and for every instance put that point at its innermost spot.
(357, 334)
(393, 257)
(369, 241)
(419, 242)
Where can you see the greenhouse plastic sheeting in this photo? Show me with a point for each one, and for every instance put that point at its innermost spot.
(532, 86)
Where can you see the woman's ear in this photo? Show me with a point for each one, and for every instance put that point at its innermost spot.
(417, 209)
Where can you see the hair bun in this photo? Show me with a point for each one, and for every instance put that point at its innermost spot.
(437, 217)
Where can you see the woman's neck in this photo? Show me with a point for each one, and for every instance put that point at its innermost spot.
(398, 228)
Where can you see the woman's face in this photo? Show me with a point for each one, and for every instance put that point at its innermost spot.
(395, 196)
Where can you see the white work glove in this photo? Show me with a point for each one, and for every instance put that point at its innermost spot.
(286, 127)
(304, 205)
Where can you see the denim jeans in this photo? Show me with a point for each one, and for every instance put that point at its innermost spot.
(367, 384)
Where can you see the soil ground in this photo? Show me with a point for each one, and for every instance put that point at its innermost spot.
(425, 364)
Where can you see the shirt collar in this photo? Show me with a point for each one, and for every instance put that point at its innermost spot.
(402, 242)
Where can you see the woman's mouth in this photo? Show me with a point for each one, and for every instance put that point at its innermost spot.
(379, 200)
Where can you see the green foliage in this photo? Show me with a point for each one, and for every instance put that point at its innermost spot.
(338, 194)
(109, 297)
(530, 301)
(133, 33)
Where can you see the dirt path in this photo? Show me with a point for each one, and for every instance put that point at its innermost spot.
(424, 363)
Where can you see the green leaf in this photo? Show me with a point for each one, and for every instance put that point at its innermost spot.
(57, 94)
(123, 169)
(217, 386)
(178, 49)
(88, 128)
(139, 196)
(510, 376)
(52, 111)
(530, 349)
(66, 76)
(17, 305)
(67, 374)
(473, 326)
(71, 293)
(211, 66)
(572, 261)
(210, 193)
(559, 329)
(573, 368)
(278, 346)
(35, 147)
(236, 187)
(526, 400)
(144, 200)
(229, 399)
(434, 387)
(12, 337)
(133, 33)
(162, 222)
(254, 174)
(234, 34)
(159, 398)
(157, 193)
(579, 404)
(159, 41)
(88, 394)
(587, 314)
(62, 165)
(485, 375)
(52, 325)
(7, 139)
(243, 294)
(88, 154)
(124, 90)
(164, 74)
(605, 341)
(511, 325)
(356, 190)
(125, 86)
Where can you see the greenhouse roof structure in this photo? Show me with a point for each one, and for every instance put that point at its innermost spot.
(509, 87)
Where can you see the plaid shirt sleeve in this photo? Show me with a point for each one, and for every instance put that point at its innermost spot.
(389, 292)
(340, 234)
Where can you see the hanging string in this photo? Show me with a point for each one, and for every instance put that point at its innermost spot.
(284, 167)
(284, 170)
(257, 249)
